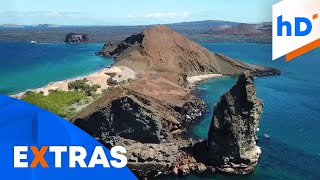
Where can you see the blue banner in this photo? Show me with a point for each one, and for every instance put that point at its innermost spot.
(29, 133)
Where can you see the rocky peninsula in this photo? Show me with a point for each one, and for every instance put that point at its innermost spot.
(148, 115)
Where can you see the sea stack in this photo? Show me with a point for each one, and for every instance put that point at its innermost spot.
(232, 135)
(76, 38)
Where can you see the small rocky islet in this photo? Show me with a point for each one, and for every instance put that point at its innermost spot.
(148, 115)
(76, 38)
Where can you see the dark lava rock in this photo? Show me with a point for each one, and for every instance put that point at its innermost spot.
(107, 50)
(268, 71)
(112, 50)
(232, 135)
(138, 117)
(76, 38)
(148, 122)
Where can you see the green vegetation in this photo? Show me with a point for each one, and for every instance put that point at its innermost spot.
(58, 102)
(64, 103)
(112, 82)
(82, 85)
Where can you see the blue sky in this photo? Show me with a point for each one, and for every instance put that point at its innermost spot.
(132, 12)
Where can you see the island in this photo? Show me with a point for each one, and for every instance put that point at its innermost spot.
(148, 115)
(76, 38)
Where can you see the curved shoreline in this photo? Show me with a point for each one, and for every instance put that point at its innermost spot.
(193, 80)
(99, 77)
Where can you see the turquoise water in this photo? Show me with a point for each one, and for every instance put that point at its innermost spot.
(291, 112)
(25, 65)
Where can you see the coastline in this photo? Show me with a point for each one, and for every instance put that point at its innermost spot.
(100, 77)
(193, 80)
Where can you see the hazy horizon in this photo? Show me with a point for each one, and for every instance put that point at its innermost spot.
(129, 24)
(127, 13)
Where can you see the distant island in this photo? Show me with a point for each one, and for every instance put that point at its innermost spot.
(12, 26)
(239, 29)
(210, 31)
(76, 38)
(47, 26)
(28, 26)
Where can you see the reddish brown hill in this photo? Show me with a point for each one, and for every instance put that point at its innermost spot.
(240, 29)
(160, 49)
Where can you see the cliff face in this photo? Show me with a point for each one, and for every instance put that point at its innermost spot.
(160, 49)
(232, 136)
(76, 38)
(148, 110)
(147, 117)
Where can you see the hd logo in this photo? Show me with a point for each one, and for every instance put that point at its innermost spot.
(296, 28)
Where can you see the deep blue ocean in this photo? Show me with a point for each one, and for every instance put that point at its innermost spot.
(292, 100)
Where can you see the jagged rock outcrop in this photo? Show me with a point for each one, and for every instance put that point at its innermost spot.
(114, 50)
(233, 131)
(76, 38)
(160, 49)
(147, 117)
(108, 50)
(148, 110)
(149, 160)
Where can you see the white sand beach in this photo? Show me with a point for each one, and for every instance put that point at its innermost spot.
(194, 79)
(119, 74)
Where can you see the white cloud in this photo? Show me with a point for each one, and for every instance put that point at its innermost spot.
(161, 15)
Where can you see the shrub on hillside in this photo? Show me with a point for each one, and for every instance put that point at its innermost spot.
(112, 82)
(82, 85)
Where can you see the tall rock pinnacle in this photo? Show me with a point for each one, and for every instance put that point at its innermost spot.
(232, 135)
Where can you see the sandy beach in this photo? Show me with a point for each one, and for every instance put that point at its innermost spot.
(118, 73)
(195, 79)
